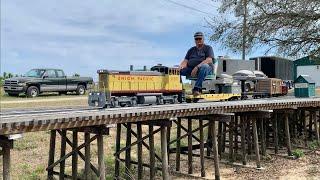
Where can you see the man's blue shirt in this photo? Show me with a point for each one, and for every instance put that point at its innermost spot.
(195, 55)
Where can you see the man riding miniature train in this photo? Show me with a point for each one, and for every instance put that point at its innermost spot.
(198, 62)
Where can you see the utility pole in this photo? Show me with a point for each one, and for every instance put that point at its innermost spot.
(244, 28)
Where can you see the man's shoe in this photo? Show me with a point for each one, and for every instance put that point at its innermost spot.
(196, 93)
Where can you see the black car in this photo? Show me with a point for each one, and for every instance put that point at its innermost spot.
(37, 81)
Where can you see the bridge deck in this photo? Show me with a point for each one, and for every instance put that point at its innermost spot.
(28, 121)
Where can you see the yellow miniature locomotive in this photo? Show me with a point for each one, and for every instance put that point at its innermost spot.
(160, 85)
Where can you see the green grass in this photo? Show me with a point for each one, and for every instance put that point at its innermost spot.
(298, 153)
(5, 97)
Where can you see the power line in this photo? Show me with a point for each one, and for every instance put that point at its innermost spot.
(188, 7)
(205, 3)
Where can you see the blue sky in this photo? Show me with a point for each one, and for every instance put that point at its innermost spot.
(83, 36)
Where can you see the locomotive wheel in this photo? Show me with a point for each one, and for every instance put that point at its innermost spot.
(195, 100)
(133, 103)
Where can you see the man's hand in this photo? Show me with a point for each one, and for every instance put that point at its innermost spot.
(194, 71)
(183, 64)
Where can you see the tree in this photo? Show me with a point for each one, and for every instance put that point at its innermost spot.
(10, 75)
(76, 75)
(292, 27)
(4, 75)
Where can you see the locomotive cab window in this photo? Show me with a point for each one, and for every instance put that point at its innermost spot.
(161, 69)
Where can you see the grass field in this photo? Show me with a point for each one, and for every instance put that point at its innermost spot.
(30, 153)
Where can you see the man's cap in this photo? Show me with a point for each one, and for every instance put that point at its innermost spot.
(198, 34)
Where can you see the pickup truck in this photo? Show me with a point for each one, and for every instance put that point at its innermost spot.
(37, 81)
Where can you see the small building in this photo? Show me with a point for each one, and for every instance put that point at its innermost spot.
(309, 65)
(274, 67)
(230, 66)
(304, 86)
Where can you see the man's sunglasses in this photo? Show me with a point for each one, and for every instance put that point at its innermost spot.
(197, 39)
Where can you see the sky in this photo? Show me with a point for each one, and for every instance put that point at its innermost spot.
(84, 36)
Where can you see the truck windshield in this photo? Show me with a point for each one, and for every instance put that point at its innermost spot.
(35, 73)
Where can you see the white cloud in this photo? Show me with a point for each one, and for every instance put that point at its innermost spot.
(85, 35)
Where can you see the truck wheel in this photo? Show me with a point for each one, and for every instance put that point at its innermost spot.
(81, 90)
(32, 91)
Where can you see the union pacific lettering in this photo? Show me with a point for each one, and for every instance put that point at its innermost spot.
(135, 78)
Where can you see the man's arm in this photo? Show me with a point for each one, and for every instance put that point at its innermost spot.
(208, 60)
(183, 64)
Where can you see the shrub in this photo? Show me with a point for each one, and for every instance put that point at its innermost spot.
(298, 153)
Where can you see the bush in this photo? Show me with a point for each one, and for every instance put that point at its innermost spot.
(298, 153)
(314, 145)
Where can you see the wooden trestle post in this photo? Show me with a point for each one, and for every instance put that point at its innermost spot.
(203, 172)
(220, 138)
(152, 153)
(305, 129)
(6, 145)
(87, 155)
(63, 153)
(316, 125)
(117, 156)
(215, 150)
(74, 155)
(263, 137)
(243, 137)
(275, 133)
(164, 153)
(178, 145)
(139, 136)
(287, 132)
(51, 152)
(190, 167)
(128, 153)
(256, 144)
(101, 165)
(231, 139)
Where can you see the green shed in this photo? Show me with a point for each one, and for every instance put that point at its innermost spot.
(304, 86)
(309, 65)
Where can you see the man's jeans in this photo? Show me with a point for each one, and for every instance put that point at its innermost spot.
(203, 71)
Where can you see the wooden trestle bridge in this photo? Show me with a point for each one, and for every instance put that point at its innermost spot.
(218, 131)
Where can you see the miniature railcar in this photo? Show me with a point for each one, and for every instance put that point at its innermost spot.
(270, 87)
